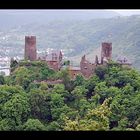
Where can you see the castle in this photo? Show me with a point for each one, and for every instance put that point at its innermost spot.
(54, 59)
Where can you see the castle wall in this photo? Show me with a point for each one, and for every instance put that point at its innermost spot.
(87, 68)
(55, 65)
(73, 73)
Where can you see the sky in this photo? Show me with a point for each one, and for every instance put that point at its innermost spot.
(127, 12)
(120, 11)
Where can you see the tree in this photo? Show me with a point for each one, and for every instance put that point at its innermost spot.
(54, 126)
(90, 84)
(79, 93)
(100, 71)
(33, 125)
(40, 105)
(94, 119)
(2, 80)
(21, 76)
(17, 109)
(138, 128)
(101, 89)
(79, 80)
(65, 76)
(43, 86)
(7, 125)
(6, 93)
(27, 72)
(2, 73)
(66, 63)
(60, 89)
(13, 64)
(57, 102)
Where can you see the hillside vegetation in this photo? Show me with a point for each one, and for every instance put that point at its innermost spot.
(109, 100)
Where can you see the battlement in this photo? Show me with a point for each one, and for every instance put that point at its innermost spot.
(107, 43)
(30, 39)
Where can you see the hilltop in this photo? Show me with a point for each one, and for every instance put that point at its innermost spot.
(108, 100)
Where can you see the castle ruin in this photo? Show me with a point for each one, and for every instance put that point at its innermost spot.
(106, 52)
(54, 59)
(30, 48)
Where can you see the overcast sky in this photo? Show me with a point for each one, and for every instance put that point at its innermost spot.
(127, 12)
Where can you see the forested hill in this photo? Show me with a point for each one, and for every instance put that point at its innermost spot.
(108, 100)
(78, 37)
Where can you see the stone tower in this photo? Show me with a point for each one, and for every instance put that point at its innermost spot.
(106, 52)
(30, 48)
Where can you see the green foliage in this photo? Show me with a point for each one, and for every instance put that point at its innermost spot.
(16, 109)
(100, 71)
(94, 119)
(27, 72)
(6, 92)
(138, 128)
(2, 80)
(39, 105)
(109, 100)
(57, 105)
(7, 125)
(79, 80)
(64, 75)
(13, 64)
(54, 126)
(43, 86)
(66, 63)
(34, 125)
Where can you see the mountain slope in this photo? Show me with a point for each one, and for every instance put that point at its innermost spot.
(19, 17)
(77, 38)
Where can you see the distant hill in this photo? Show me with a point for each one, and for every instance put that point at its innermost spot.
(80, 37)
(11, 18)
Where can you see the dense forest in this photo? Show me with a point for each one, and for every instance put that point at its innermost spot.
(108, 100)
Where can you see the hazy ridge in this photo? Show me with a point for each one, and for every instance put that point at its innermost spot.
(78, 37)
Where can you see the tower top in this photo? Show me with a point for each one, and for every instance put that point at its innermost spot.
(106, 43)
(30, 36)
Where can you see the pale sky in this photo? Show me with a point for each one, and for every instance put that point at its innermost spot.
(127, 12)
